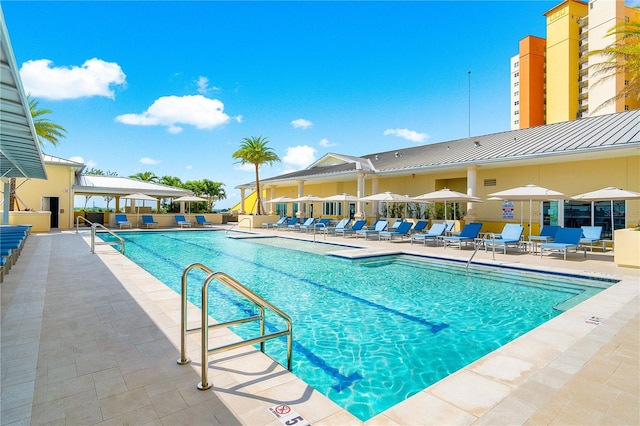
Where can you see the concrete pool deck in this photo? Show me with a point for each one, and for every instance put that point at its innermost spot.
(94, 339)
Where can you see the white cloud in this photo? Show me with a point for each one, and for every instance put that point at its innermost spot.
(189, 167)
(93, 78)
(147, 160)
(407, 134)
(91, 164)
(301, 123)
(299, 156)
(325, 143)
(196, 110)
(203, 85)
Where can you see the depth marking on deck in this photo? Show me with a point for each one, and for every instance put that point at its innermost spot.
(287, 416)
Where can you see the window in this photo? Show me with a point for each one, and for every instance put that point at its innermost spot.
(516, 93)
(516, 122)
(517, 112)
(517, 74)
(332, 209)
(626, 82)
(516, 103)
(516, 64)
(579, 213)
(516, 84)
(626, 107)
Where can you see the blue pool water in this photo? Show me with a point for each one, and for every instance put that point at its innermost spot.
(368, 333)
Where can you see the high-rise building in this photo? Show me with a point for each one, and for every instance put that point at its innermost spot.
(552, 81)
(527, 84)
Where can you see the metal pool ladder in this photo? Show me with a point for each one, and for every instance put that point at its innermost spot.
(204, 328)
(94, 227)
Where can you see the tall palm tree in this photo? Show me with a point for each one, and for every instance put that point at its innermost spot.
(46, 130)
(621, 57)
(254, 150)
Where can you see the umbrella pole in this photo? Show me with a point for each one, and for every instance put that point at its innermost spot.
(530, 215)
(613, 225)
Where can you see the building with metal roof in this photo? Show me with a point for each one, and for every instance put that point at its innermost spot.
(572, 157)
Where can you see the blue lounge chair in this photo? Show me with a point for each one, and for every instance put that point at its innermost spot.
(448, 227)
(547, 234)
(510, 236)
(287, 223)
(122, 221)
(296, 226)
(420, 226)
(468, 235)
(590, 235)
(202, 221)
(344, 223)
(436, 231)
(357, 226)
(380, 225)
(318, 225)
(148, 221)
(566, 238)
(280, 221)
(182, 222)
(401, 231)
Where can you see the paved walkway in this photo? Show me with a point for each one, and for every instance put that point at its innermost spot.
(93, 339)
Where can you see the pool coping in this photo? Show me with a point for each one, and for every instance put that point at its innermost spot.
(490, 386)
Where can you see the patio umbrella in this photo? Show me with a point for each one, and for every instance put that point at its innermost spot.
(529, 192)
(608, 194)
(343, 198)
(389, 197)
(190, 199)
(445, 196)
(307, 199)
(283, 199)
(139, 196)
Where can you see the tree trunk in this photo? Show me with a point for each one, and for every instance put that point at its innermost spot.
(259, 198)
(12, 194)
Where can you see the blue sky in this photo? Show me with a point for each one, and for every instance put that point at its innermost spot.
(173, 87)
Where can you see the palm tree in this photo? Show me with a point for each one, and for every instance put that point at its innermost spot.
(145, 176)
(254, 150)
(46, 130)
(621, 57)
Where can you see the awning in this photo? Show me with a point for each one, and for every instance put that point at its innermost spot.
(20, 155)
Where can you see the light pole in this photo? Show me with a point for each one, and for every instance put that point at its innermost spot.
(469, 74)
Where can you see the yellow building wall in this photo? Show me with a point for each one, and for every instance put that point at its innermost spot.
(59, 183)
(562, 60)
(571, 178)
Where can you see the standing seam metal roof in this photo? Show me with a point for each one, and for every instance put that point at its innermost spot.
(586, 135)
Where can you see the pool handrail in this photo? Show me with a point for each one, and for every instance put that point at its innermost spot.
(238, 224)
(243, 291)
(94, 226)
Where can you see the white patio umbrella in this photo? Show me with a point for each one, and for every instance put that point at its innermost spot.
(189, 199)
(282, 199)
(139, 196)
(610, 193)
(445, 196)
(529, 192)
(343, 198)
(389, 197)
(307, 199)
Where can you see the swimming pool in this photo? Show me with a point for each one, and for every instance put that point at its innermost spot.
(368, 333)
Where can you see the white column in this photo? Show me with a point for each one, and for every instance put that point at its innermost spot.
(242, 211)
(272, 195)
(299, 213)
(360, 204)
(472, 177)
(375, 205)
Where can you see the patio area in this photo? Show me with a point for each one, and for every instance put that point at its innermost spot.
(94, 339)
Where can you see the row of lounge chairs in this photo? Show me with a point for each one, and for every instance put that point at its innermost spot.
(12, 239)
(553, 239)
(147, 220)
